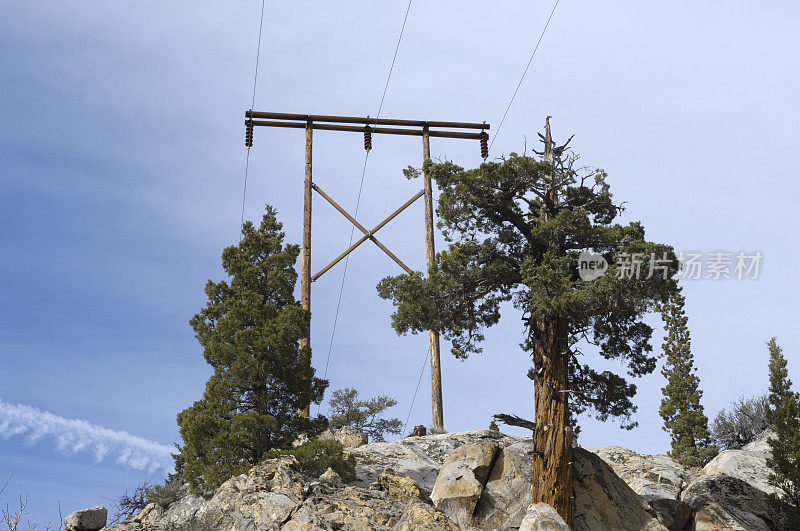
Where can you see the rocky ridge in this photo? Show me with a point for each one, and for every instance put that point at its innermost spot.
(481, 480)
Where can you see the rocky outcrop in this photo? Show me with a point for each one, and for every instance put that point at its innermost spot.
(86, 519)
(724, 502)
(347, 435)
(419, 458)
(603, 501)
(542, 517)
(730, 492)
(480, 479)
(330, 476)
(507, 493)
(264, 498)
(673, 514)
(461, 479)
(650, 476)
(420, 515)
(657, 479)
(748, 464)
(400, 488)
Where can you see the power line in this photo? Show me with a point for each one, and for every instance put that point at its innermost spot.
(252, 105)
(361, 187)
(258, 56)
(414, 398)
(497, 132)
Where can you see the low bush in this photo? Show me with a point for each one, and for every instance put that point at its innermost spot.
(148, 492)
(317, 455)
(746, 419)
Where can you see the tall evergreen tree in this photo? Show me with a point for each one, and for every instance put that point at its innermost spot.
(516, 229)
(784, 418)
(250, 331)
(681, 409)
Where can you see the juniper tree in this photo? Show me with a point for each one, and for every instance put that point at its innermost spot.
(746, 420)
(250, 331)
(681, 409)
(784, 418)
(364, 415)
(515, 229)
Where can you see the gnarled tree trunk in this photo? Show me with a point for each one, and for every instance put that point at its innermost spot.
(552, 468)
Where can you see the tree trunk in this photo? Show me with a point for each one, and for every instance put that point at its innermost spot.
(552, 470)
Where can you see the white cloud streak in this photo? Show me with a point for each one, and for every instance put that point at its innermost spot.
(75, 435)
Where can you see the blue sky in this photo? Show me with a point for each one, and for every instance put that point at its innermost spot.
(122, 162)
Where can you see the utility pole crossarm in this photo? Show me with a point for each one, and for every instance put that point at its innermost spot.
(335, 123)
(366, 121)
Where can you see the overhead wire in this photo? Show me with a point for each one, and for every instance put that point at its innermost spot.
(497, 132)
(524, 72)
(252, 106)
(366, 160)
(414, 398)
(361, 189)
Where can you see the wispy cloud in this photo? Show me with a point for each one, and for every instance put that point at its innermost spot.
(74, 435)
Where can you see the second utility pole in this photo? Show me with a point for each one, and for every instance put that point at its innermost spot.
(305, 278)
(430, 255)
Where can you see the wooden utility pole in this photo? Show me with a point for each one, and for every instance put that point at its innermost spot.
(425, 129)
(430, 254)
(305, 275)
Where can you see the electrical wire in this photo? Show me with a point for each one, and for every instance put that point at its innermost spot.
(533, 54)
(361, 189)
(252, 106)
(414, 398)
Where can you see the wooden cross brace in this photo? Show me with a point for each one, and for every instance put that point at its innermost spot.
(368, 234)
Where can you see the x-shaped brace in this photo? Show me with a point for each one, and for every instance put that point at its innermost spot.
(368, 234)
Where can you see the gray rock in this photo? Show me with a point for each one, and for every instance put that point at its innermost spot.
(603, 501)
(759, 444)
(419, 458)
(327, 435)
(350, 437)
(347, 435)
(263, 498)
(401, 488)
(542, 517)
(673, 514)
(304, 519)
(748, 464)
(507, 493)
(301, 440)
(724, 502)
(330, 476)
(350, 508)
(86, 519)
(651, 476)
(461, 479)
(484, 490)
(422, 516)
(419, 431)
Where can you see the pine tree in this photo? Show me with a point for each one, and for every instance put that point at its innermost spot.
(784, 418)
(250, 331)
(364, 415)
(681, 410)
(516, 229)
